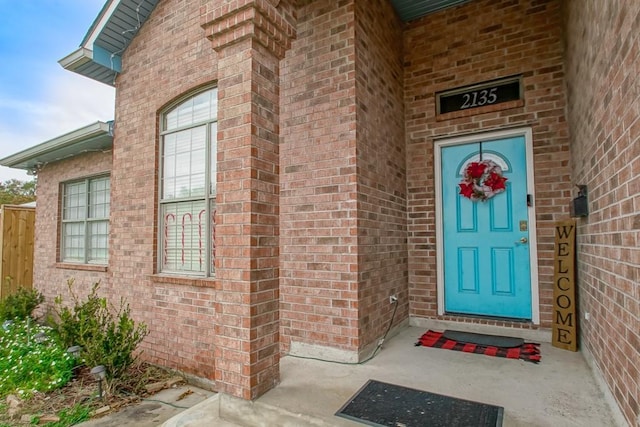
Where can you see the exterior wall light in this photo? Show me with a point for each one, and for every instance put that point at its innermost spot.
(580, 205)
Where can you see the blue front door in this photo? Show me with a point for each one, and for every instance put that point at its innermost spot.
(486, 252)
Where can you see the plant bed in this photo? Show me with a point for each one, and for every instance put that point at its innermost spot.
(49, 373)
(78, 400)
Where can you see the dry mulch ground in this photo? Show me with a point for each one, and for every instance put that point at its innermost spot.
(141, 380)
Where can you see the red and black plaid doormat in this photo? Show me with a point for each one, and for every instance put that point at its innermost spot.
(527, 351)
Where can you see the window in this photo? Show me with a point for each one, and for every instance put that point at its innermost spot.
(188, 186)
(85, 221)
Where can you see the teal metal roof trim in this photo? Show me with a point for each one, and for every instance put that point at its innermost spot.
(99, 55)
(97, 136)
(409, 10)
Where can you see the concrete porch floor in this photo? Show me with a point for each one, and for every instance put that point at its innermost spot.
(560, 391)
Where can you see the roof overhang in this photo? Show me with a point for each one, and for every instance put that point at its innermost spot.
(409, 10)
(99, 55)
(94, 137)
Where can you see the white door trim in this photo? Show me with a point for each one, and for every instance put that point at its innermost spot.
(533, 241)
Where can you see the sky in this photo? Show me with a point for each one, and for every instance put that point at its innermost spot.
(40, 100)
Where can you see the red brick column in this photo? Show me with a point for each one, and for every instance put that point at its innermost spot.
(250, 36)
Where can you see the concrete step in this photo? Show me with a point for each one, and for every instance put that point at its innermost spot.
(223, 410)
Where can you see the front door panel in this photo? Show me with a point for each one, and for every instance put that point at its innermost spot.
(486, 252)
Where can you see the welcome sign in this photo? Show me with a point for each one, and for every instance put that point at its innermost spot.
(564, 287)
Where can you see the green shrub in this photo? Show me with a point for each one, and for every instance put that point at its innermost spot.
(20, 305)
(31, 360)
(80, 321)
(107, 336)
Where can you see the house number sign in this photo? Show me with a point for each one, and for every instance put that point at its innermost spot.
(489, 93)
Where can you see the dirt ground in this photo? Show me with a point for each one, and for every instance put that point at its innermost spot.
(136, 392)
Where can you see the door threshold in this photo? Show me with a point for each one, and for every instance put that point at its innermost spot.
(484, 325)
(484, 317)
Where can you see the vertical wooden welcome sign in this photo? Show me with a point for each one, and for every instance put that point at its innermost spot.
(565, 326)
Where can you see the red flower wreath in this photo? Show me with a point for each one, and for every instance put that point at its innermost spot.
(482, 180)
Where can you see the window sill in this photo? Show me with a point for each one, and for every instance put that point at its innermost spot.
(202, 282)
(82, 267)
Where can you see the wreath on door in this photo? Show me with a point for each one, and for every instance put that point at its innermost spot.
(482, 180)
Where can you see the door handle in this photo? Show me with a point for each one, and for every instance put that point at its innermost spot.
(523, 240)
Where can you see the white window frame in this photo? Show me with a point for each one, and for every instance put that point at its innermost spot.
(186, 235)
(86, 220)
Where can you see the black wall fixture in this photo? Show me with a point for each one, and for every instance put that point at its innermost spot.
(580, 205)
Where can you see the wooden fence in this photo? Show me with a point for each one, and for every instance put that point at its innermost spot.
(17, 232)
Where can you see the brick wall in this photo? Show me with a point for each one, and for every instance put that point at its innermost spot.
(603, 65)
(247, 329)
(343, 197)
(357, 124)
(381, 169)
(318, 184)
(484, 40)
(49, 277)
(168, 58)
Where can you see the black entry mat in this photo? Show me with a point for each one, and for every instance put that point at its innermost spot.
(382, 404)
(483, 339)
